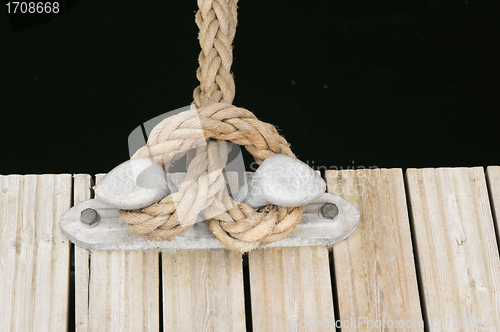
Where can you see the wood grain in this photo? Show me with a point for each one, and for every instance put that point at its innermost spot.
(203, 289)
(457, 250)
(122, 290)
(34, 255)
(291, 288)
(374, 267)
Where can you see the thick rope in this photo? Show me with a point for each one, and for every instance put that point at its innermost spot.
(214, 120)
(217, 20)
(240, 228)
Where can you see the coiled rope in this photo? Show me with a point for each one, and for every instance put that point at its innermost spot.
(207, 127)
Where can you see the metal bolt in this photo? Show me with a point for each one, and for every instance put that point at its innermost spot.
(5, 190)
(328, 212)
(89, 217)
(57, 191)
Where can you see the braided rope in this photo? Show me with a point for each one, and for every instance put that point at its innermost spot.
(214, 120)
(238, 226)
(217, 20)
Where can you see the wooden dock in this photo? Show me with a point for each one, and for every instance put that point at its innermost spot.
(425, 257)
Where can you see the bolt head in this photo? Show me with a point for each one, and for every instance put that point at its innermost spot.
(89, 217)
(328, 212)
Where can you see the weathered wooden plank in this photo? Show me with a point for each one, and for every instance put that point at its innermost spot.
(122, 290)
(53, 200)
(34, 262)
(493, 177)
(9, 206)
(374, 267)
(458, 255)
(23, 297)
(203, 289)
(291, 289)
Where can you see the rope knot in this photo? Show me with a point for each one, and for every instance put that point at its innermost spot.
(207, 130)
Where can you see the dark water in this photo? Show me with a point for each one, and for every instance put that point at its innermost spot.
(348, 83)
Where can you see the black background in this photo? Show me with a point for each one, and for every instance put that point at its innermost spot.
(351, 83)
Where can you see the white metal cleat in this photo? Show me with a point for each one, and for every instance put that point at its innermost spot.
(281, 180)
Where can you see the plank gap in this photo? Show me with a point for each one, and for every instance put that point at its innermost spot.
(247, 293)
(416, 257)
(71, 296)
(93, 182)
(335, 295)
(491, 198)
(160, 292)
(81, 192)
